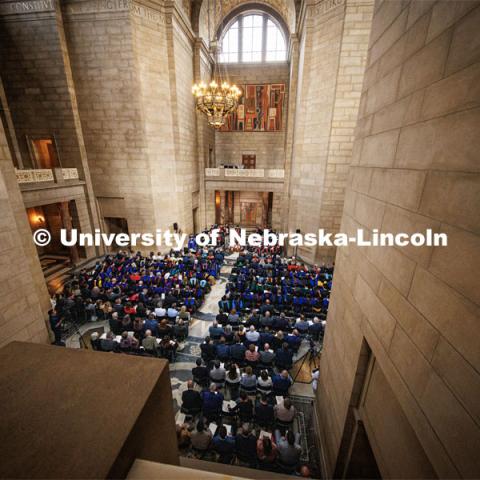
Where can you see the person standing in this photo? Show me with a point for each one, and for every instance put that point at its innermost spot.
(56, 325)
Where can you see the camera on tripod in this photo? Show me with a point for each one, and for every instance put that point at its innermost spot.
(310, 357)
(312, 347)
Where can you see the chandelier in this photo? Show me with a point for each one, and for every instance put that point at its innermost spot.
(216, 101)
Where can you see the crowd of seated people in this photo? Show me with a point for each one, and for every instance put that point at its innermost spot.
(255, 428)
(148, 301)
(271, 305)
(244, 445)
(245, 361)
(270, 282)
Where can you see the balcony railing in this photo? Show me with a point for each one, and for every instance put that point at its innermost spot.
(273, 173)
(70, 173)
(34, 176)
(44, 175)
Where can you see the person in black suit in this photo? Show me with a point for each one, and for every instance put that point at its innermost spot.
(208, 349)
(191, 400)
(264, 413)
(200, 373)
(246, 446)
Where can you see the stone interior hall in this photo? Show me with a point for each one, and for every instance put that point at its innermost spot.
(122, 359)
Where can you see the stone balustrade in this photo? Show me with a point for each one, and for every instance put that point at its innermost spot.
(212, 172)
(249, 172)
(70, 173)
(43, 175)
(218, 173)
(34, 175)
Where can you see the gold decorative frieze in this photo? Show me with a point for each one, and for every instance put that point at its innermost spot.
(212, 172)
(34, 176)
(70, 173)
(273, 173)
(248, 172)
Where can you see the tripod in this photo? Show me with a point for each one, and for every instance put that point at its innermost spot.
(311, 358)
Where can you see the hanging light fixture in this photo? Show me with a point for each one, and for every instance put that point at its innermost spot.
(217, 99)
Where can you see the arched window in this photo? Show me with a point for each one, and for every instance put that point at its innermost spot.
(253, 37)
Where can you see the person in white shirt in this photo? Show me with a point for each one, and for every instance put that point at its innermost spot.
(252, 335)
(160, 312)
(264, 382)
(218, 374)
(285, 411)
(172, 311)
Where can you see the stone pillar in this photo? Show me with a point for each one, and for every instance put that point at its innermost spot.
(265, 209)
(24, 299)
(10, 129)
(223, 207)
(67, 225)
(235, 212)
(230, 209)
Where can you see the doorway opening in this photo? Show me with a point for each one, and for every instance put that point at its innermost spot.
(116, 225)
(55, 257)
(247, 209)
(44, 153)
(249, 161)
(362, 463)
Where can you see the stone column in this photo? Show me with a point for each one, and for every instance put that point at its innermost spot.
(67, 225)
(24, 301)
(265, 209)
(223, 207)
(235, 206)
(10, 129)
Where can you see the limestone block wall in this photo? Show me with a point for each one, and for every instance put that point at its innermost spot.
(205, 133)
(267, 146)
(24, 299)
(277, 211)
(332, 50)
(415, 166)
(210, 207)
(152, 47)
(351, 67)
(319, 50)
(185, 122)
(39, 88)
(133, 69)
(35, 82)
(103, 62)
